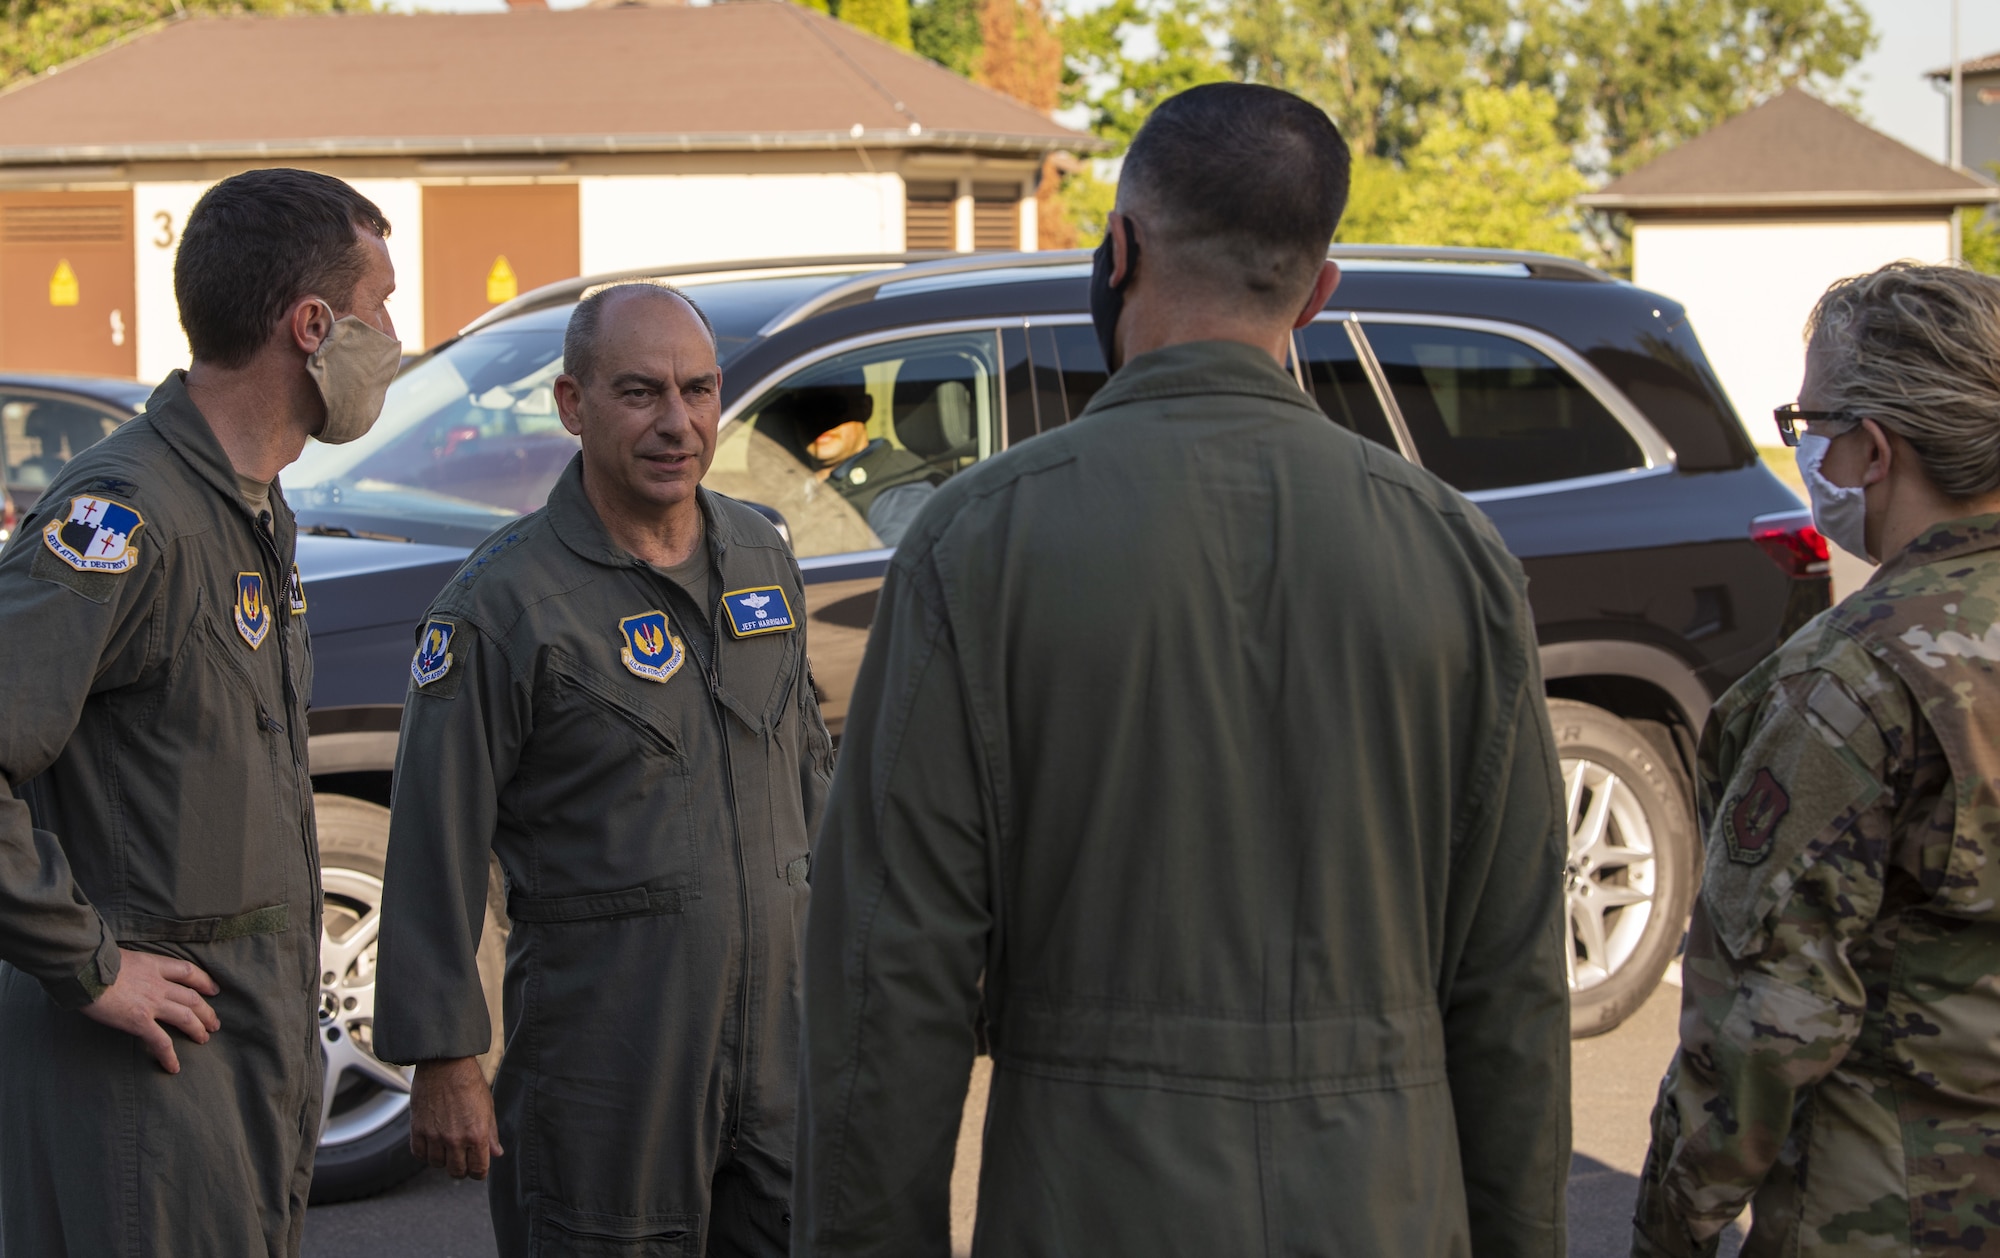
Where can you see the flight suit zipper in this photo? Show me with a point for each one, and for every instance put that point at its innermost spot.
(710, 674)
(300, 795)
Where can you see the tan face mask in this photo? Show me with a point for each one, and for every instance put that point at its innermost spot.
(353, 367)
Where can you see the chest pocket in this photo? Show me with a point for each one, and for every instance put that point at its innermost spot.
(774, 759)
(218, 832)
(608, 789)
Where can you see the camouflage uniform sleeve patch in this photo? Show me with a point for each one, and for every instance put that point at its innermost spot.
(1812, 765)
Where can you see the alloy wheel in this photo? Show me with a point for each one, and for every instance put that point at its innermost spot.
(1610, 875)
(363, 1094)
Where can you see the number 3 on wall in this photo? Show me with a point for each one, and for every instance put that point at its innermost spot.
(165, 240)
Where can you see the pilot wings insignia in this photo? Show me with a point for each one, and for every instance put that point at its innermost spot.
(761, 610)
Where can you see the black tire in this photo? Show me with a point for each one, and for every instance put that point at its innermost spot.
(371, 1157)
(1619, 950)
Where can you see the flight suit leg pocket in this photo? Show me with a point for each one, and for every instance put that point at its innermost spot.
(561, 1230)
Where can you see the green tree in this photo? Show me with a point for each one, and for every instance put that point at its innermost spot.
(1126, 57)
(947, 31)
(1494, 173)
(40, 34)
(886, 20)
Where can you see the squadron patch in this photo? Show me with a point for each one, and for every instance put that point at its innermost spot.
(253, 614)
(762, 610)
(433, 658)
(651, 650)
(1754, 818)
(298, 593)
(95, 536)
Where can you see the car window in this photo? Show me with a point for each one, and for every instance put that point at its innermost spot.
(1079, 362)
(1339, 383)
(849, 449)
(1487, 411)
(39, 434)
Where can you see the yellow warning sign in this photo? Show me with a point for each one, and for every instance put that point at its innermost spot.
(500, 282)
(62, 285)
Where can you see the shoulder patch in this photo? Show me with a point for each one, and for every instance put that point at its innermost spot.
(297, 590)
(95, 535)
(253, 613)
(433, 658)
(1754, 817)
(764, 609)
(650, 649)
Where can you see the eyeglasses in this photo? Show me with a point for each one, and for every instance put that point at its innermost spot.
(1789, 417)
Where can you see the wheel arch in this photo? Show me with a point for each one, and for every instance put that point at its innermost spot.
(1637, 682)
(352, 750)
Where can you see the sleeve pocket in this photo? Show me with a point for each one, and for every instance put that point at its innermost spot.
(1796, 784)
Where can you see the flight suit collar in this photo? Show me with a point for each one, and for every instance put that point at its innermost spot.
(182, 425)
(576, 522)
(1940, 543)
(1195, 368)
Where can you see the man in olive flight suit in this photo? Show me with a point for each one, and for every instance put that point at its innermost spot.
(158, 872)
(1214, 736)
(612, 695)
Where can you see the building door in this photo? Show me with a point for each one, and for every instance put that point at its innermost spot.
(66, 288)
(486, 245)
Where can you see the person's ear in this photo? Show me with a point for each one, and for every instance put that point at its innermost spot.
(1322, 292)
(310, 323)
(569, 403)
(1115, 227)
(1881, 454)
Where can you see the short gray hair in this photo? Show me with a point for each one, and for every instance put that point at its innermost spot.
(580, 338)
(1917, 349)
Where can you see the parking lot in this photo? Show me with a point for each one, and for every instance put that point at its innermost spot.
(1612, 1092)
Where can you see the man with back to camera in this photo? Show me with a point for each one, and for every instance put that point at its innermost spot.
(1214, 736)
(612, 696)
(158, 872)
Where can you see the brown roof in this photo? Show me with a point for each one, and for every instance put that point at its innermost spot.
(1793, 151)
(762, 74)
(1978, 65)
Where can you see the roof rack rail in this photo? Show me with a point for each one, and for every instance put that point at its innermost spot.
(1540, 265)
(863, 287)
(890, 267)
(573, 289)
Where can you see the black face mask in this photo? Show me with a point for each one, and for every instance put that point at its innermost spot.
(1108, 302)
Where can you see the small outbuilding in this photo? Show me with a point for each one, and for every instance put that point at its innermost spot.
(1749, 223)
(509, 150)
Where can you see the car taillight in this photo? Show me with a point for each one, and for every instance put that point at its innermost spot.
(1792, 542)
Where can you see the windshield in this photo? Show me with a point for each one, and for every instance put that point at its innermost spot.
(469, 437)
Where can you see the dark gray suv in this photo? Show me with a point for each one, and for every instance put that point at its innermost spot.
(1577, 411)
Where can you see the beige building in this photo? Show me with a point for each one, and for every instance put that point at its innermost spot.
(509, 150)
(1748, 224)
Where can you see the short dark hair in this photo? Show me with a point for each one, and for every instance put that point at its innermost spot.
(255, 244)
(580, 337)
(1250, 178)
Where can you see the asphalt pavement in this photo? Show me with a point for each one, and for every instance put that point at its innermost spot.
(1614, 1080)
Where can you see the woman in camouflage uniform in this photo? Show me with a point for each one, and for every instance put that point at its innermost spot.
(1837, 1064)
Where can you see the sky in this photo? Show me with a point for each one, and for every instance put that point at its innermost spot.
(1914, 36)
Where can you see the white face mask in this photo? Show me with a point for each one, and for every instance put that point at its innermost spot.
(1840, 514)
(353, 367)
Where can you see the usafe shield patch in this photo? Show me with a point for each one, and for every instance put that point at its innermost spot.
(95, 536)
(1754, 818)
(762, 610)
(433, 658)
(253, 614)
(651, 650)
